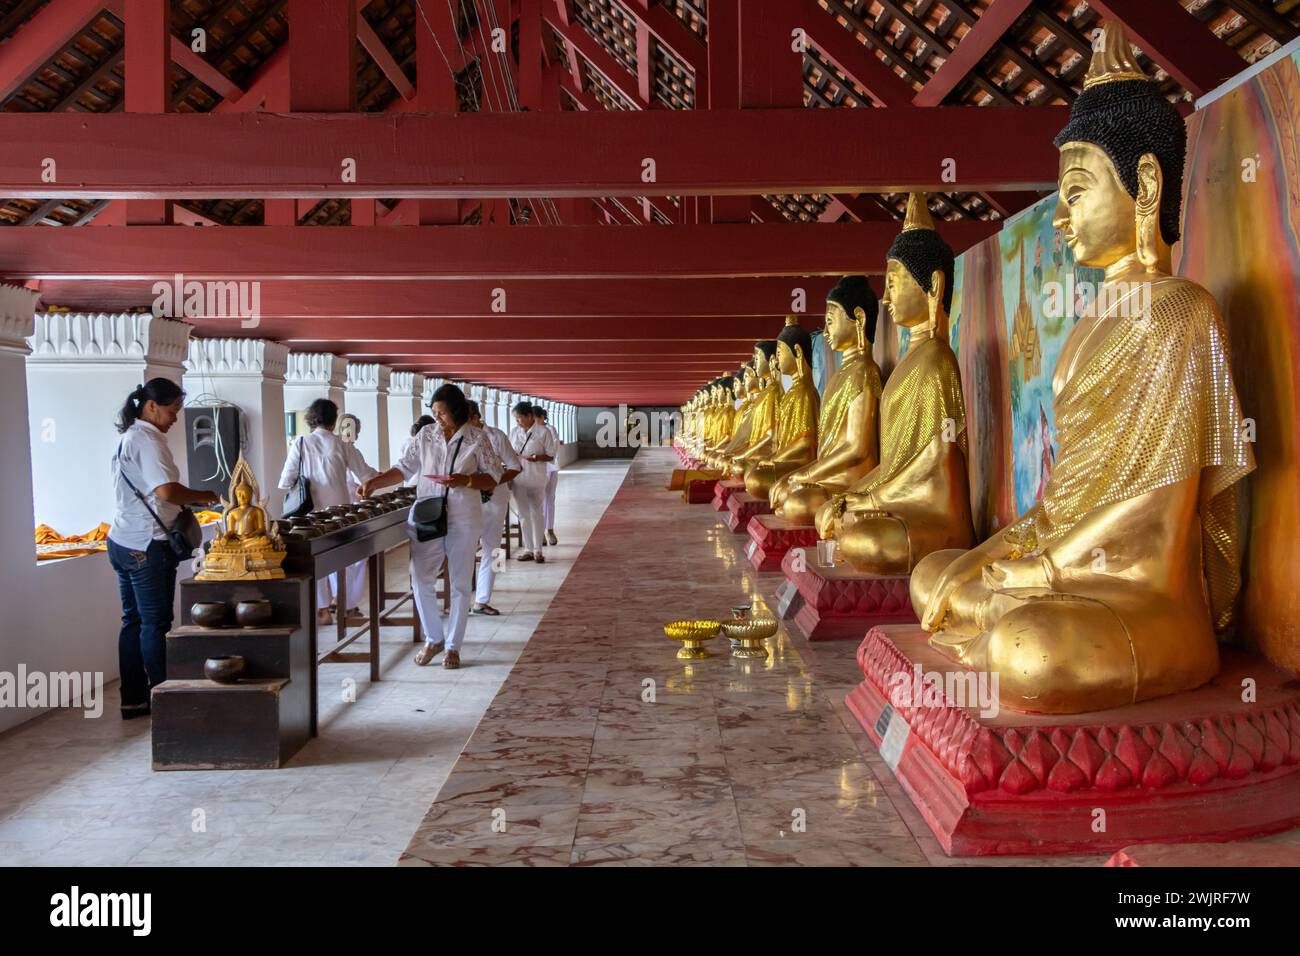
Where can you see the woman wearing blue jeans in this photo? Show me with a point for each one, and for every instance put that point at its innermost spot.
(137, 545)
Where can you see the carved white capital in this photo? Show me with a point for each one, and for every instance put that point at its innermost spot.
(257, 358)
(17, 306)
(103, 338)
(406, 384)
(368, 377)
(429, 387)
(316, 368)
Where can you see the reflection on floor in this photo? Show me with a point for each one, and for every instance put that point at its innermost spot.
(80, 792)
(732, 762)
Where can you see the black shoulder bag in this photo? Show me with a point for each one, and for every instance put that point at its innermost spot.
(429, 515)
(185, 535)
(298, 501)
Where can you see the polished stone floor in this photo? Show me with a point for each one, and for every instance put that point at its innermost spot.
(81, 792)
(602, 748)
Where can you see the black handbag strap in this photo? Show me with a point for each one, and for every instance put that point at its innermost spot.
(446, 489)
(528, 436)
(122, 474)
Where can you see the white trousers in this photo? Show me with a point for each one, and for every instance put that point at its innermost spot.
(494, 522)
(457, 546)
(327, 588)
(529, 503)
(548, 508)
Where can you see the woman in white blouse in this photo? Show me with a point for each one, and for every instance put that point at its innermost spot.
(149, 497)
(454, 459)
(327, 462)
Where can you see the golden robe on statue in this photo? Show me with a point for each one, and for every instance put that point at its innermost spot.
(921, 482)
(1152, 440)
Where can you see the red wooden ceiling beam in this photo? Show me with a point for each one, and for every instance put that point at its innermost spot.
(565, 154)
(1186, 48)
(499, 334)
(597, 57)
(883, 85)
(40, 38)
(618, 300)
(204, 71)
(324, 78)
(974, 46)
(383, 252)
(383, 58)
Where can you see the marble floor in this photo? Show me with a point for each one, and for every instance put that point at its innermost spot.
(601, 748)
(81, 792)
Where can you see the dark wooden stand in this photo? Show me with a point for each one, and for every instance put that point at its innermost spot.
(263, 719)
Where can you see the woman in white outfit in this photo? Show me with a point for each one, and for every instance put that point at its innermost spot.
(535, 447)
(328, 462)
(451, 458)
(495, 510)
(552, 478)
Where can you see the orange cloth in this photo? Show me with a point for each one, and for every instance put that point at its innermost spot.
(95, 540)
(207, 517)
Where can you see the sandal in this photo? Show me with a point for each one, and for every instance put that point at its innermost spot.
(428, 653)
(487, 609)
(452, 661)
(324, 617)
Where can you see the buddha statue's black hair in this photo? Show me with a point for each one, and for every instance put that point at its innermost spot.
(922, 253)
(767, 347)
(1128, 119)
(794, 334)
(855, 292)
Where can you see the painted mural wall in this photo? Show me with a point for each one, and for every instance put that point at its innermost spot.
(1017, 296)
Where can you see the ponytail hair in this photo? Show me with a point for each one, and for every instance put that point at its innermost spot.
(160, 391)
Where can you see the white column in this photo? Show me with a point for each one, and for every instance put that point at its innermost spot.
(249, 374)
(81, 368)
(59, 615)
(367, 396)
(405, 390)
(312, 375)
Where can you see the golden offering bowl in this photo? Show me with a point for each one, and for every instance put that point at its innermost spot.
(692, 634)
(749, 637)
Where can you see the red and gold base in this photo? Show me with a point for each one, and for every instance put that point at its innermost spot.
(724, 489)
(771, 536)
(837, 603)
(1204, 765)
(741, 508)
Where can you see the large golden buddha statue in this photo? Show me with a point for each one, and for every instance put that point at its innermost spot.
(848, 446)
(794, 437)
(917, 500)
(766, 398)
(248, 547)
(1111, 588)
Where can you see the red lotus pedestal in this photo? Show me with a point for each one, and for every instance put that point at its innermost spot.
(699, 491)
(724, 489)
(771, 536)
(741, 507)
(1203, 765)
(837, 603)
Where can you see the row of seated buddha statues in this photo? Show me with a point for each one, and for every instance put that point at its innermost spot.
(1112, 588)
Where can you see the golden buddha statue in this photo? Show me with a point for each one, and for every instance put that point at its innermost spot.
(724, 418)
(745, 389)
(848, 446)
(766, 401)
(248, 547)
(1111, 588)
(917, 500)
(794, 439)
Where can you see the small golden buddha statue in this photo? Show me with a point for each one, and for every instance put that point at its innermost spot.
(848, 443)
(794, 439)
(766, 401)
(724, 418)
(746, 391)
(917, 500)
(248, 547)
(1110, 589)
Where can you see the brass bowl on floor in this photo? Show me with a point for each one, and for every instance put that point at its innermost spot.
(692, 635)
(749, 637)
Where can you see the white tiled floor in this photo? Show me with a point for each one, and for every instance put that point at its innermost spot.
(81, 792)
